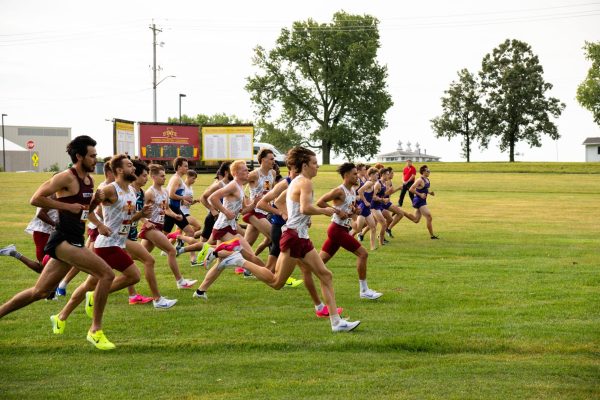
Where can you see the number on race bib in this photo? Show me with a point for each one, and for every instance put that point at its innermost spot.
(84, 215)
(124, 229)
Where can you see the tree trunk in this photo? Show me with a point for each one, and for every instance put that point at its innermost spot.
(511, 145)
(468, 147)
(326, 149)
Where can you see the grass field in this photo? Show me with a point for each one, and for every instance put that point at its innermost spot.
(506, 305)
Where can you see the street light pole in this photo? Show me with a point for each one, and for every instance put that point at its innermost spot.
(3, 145)
(180, 96)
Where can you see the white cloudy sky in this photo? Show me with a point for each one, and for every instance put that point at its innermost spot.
(76, 63)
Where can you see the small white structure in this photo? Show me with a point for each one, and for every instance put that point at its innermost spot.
(17, 158)
(402, 155)
(592, 149)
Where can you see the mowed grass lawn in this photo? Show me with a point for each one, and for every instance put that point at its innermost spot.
(506, 305)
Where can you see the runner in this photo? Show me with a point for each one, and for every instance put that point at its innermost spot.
(176, 189)
(232, 195)
(152, 230)
(338, 235)
(40, 227)
(139, 252)
(295, 243)
(118, 211)
(74, 188)
(260, 182)
(365, 193)
(421, 191)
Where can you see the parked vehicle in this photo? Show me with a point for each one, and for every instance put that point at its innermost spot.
(279, 156)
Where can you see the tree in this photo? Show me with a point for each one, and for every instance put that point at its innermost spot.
(282, 138)
(515, 105)
(588, 92)
(203, 119)
(325, 82)
(461, 112)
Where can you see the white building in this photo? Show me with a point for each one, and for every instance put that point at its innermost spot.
(17, 158)
(592, 149)
(50, 144)
(402, 155)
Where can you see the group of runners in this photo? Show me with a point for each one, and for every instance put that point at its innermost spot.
(125, 223)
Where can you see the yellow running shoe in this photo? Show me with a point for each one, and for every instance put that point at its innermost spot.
(58, 326)
(99, 340)
(292, 282)
(89, 304)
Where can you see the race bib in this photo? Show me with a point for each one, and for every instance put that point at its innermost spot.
(124, 229)
(161, 219)
(84, 214)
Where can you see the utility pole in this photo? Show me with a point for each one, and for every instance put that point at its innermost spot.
(154, 84)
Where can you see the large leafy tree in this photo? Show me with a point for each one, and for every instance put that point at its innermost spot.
(461, 112)
(588, 92)
(282, 138)
(215, 119)
(516, 106)
(324, 82)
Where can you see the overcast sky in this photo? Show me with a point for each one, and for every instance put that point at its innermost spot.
(76, 64)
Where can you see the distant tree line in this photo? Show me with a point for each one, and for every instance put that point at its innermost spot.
(507, 99)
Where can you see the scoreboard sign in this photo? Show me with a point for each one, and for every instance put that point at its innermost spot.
(167, 141)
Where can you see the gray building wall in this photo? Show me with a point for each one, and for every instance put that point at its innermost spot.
(592, 153)
(16, 161)
(50, 143)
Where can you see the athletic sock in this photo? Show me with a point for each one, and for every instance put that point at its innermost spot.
(62, 285)
(363, 285)
(320, 307)
(16, 254)
(200, 292)
(335, 319)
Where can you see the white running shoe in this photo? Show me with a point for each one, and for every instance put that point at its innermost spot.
(164, 303)
(186, 283)
(162, 253)
(234, 260)
(370, 294)
(8, 250)
(202, 296)
(345, 326)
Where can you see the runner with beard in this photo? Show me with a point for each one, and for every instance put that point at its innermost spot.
(118, 211)
(74, 189)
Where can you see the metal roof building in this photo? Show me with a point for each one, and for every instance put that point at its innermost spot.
(402, 155)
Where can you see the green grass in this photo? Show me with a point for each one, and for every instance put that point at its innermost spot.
(505, 305)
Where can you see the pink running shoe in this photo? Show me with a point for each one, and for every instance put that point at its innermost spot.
(324, 313)
(239, 270)
(139, 299)
(173, 235)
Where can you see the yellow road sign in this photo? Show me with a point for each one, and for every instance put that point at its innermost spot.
(35, 158)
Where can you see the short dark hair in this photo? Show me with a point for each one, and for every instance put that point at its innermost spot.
(140, 166)
(423, 168)
(262, 153)
(192, 174)
(345, 168)
(299, 155)
(178, 162)
(79, 145)
(223, 168)
(360, 166)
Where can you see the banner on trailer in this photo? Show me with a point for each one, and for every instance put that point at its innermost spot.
(123, 137)
(167, 141)
(227, 142)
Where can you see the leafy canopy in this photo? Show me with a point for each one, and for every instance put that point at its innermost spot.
(323, 81)
(516, 107)
(461, 112)
(588, 92)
